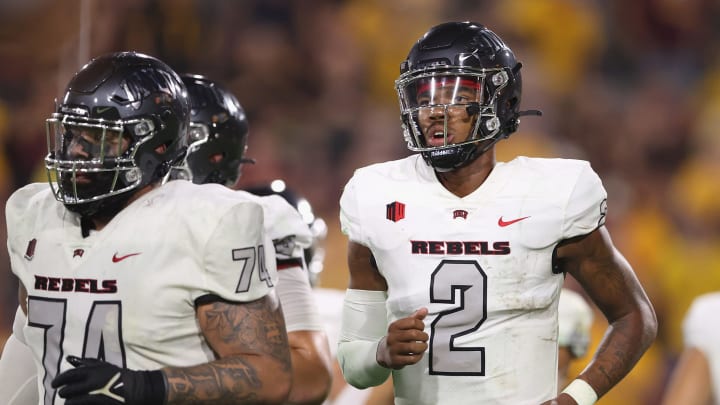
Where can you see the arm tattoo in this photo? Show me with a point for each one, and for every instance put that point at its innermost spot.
(239, 334)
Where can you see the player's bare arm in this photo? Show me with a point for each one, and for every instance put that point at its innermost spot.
(611, 283)
(406, 340)
(22, 298)
(311, 367)
(251, 345)
(363, 272)
(691, 382)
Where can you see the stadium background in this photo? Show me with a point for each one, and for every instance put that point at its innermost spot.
(632, 86)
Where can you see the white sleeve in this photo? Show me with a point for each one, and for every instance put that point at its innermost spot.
(574, 322)
(586, 206)
(702, 331)
(234, 268)
(18, 382)
(364, 323)
(698, 332)
(297, 300)
(19, 324)
(350, 213)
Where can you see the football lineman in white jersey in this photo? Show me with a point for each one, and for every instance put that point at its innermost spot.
(218, 136)
(456, 261)
(696, 378)
(134, 292)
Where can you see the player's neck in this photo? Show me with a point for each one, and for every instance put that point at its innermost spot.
(100, 221)
(465, 180)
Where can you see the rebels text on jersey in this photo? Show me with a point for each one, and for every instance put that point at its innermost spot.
(127, 293)
(481, 264)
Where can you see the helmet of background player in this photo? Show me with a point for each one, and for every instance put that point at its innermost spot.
(218, 134)
(120, 125)
(459, 92)
(315, 254)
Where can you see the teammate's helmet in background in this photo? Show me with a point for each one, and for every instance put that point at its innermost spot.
(315, 254)
(462, 52)
(218, 134)
(120, 125)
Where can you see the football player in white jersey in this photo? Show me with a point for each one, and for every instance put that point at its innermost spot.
(136, 292)
(218, 136)
(696, 378)
(574, 322)
(456, 261)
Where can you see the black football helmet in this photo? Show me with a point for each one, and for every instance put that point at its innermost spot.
(460, 55)
(218, 134)
(120, 125)
(315, 254)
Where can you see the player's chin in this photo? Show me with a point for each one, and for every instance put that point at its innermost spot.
(83, 186)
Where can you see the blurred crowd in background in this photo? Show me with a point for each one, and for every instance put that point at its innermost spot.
(631, 86)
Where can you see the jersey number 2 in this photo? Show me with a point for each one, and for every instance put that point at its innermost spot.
(462, 283)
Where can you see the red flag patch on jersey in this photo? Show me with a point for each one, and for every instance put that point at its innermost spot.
(395, 211)
(30, 251)
(460, 214)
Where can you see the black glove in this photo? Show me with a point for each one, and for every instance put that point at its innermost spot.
(95, 382)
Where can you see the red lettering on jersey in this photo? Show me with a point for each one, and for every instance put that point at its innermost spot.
(82, 285)
(454, 248)
(41, 283)
(54, 284)
(76, 284)
(30, 251)
(421, 247)
(78, 252)
(418, 247)
(436, 248)
(501, 248)
(67, 284)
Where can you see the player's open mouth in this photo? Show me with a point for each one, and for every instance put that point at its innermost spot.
(437, 138)
(81, 178)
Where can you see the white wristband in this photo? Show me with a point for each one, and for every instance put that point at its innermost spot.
(581, 392)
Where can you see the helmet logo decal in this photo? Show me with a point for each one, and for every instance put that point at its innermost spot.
(135, 87)
(395, 211)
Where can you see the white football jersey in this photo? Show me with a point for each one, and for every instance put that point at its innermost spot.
(701, 330)
(481, 264)
(17, 369)
(290, 236)
(127, 293)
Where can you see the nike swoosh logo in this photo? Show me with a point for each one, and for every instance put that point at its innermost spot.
(463, 58)
(117, 258)
(101, 110)
(502, 223)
